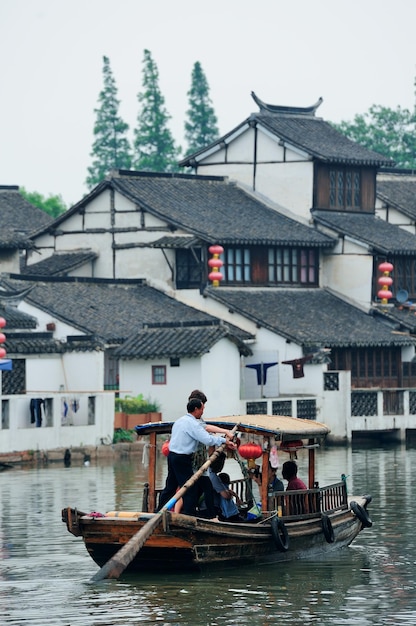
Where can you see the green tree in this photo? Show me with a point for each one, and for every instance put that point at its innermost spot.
(154, 146)
(53, 205)
(389, 132)
(111, 148)
(201, 127)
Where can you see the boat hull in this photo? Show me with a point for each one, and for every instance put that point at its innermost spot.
(183, 542)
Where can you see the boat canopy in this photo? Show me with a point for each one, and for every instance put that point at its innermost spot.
(281, 427)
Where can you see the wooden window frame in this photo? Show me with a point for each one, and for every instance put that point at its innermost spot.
(273, 266)
(159, 376)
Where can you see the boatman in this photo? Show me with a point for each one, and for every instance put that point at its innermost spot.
(187, 432)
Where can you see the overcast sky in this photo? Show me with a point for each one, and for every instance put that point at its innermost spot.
(291, 52)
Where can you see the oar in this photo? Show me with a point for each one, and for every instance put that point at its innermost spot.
(123, 557)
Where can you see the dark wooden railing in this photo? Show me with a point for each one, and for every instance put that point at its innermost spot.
(309, 503)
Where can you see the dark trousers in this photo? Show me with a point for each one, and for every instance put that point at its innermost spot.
(179, 471)
(205, 488)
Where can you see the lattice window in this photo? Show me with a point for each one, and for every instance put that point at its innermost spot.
(256, 408)
(331, 381)
(5, 414)
(282, 407)
(14, 381)
(412, 402)
(363, 403)
(306, 409)
(91, 410)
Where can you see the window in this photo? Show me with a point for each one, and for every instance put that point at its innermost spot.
(344, 188)
(188, 269)
(293, 266)
(158, 374)
(237, 265)
(370, 367)
(271, 266)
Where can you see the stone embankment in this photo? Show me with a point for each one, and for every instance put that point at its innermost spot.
(77, 455)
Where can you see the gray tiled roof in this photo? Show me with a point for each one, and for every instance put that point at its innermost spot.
(310, 317)
(18, 218)
(59, 264)
(403, 316)
(181, 342)
(319, 139)
(210, 208)
(111, 310)
(215, 210)
(301, 129)
(380, 235)
(16, 319)
(44, 343)
(398, 191)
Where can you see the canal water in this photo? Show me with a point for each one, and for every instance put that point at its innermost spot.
(45, 572)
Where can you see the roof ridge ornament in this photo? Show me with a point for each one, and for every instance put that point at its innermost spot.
(286, 110)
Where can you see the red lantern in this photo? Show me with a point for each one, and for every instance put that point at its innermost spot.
(165, 448)
(215, 263)
(2, 337)
(215, 277)
(2, 353)
(2, 322)
(385, 294)
(292, 447)
(216, 250)
(385, 280)
(385, 267)
(250, 451)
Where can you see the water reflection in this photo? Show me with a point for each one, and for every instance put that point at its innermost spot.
(45, 571)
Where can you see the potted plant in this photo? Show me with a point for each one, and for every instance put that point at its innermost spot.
(130, 411)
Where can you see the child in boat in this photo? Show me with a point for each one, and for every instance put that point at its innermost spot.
(224, 497)
(289, 473)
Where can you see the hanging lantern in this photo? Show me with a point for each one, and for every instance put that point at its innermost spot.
(2, 322)
(385, 281)
(165, 448)
(215, 264)
(291, 447)
(385, 267)
(2, 353)
(250, 452)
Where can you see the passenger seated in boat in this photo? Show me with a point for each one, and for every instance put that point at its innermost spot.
(289, 473)
(273, 481)
(224, 497)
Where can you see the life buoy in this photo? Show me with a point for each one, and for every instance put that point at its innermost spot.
(280, 534)
(361, 514)
(327, 528)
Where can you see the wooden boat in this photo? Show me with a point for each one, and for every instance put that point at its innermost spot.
(291, 525)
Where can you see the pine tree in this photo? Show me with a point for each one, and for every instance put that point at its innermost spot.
(201, 128)
(111, 148)
(154, 146)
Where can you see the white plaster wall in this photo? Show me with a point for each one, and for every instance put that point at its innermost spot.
(350, 275)
(288, 184)
(336, 408)
(268, 148)
(148, 263)
(73, 371)
(241, 149)
(217, 373)
(234, 171)
(22, 435)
